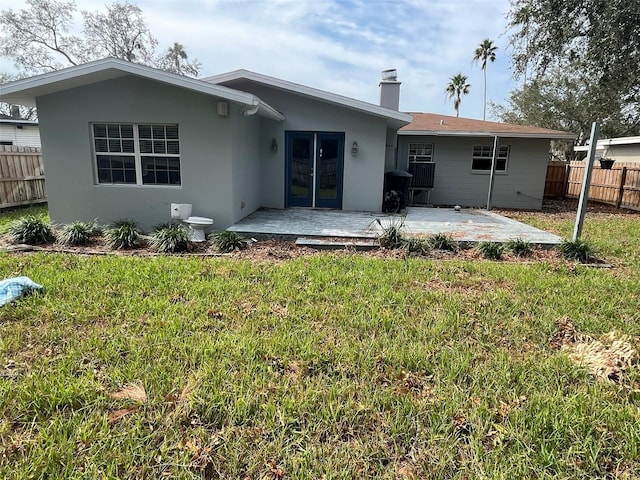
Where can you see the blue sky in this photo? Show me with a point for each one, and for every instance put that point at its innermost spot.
(341, 46)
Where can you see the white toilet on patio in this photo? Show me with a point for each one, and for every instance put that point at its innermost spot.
(197, 225)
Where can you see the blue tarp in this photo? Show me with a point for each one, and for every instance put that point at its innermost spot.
(12, 288)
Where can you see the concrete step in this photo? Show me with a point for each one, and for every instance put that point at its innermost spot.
(337, 243)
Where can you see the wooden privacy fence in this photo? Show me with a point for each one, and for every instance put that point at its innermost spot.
(619, 186)
(21, 176)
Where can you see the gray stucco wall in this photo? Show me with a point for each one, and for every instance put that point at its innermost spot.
(522, 186)
(363, 174)
(246, 166)
(208, 145)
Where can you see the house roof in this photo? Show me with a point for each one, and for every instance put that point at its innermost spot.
(25, 91)
(445, 125)
(394, 118)
(607, 142)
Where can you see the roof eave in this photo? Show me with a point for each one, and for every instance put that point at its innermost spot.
(394, 118)
(113, 68)
(435, 133)
(9, 121)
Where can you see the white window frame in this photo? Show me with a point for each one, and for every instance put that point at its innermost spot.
(420, 157)
(136, 154)
(486, 153)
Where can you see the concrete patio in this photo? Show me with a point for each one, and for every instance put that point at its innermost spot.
(464, 226)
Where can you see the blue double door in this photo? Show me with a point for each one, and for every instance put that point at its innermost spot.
(314, 169)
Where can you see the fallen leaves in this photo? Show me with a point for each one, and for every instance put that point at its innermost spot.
(566, 334)
(201, 456)
(134, 392)
(505, 407)
(117, 415)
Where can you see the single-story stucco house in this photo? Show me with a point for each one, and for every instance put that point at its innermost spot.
(122, 140)
(19, 133)
(461, 150)
(620, 149)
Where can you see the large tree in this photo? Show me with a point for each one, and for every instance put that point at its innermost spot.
(456, 88)
(593, 46)
(42, 38)
(485, 52)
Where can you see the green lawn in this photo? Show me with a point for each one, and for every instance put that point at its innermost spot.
(335, 366)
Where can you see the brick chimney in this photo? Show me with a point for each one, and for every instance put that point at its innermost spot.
(390, 89)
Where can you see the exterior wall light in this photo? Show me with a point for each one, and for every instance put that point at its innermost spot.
(354, 149)
(274, 145)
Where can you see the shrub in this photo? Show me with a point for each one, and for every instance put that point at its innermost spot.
(31, 230)
(442, 241)
(78, 233)
(391, 236)
(520, 247)
(491, 250)
(227, 241)
(578, 250)
(170, 238)
(417, 245)
(123, 234)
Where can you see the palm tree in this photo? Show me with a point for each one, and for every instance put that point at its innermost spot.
(176, 54)
(457, 87)
(485, 51)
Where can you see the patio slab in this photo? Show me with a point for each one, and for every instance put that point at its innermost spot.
(467, 225)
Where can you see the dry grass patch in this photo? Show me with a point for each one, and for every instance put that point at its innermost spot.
(608, 358)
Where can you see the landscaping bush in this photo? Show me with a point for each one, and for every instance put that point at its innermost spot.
(578, 250)
(417, 245)
(391, 236)
(31, 230)
(491, 250)
(78, 233)
(123, 234)
(441, 241)
(170, 238)
(520, 247)
(227, 241)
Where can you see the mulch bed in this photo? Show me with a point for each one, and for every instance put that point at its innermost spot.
(275, 250)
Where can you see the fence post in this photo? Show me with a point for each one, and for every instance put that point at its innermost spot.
(565, 181)
(623, 180)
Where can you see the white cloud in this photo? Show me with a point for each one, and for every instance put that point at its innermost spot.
(340, 45)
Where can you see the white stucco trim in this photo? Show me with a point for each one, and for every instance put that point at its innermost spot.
(394, 118)
(25, 91)
(429, 133)
(11, 121)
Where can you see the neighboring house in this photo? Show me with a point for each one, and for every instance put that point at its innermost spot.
(621, 149)
(457, 154)
(21, 133)
(122, 140)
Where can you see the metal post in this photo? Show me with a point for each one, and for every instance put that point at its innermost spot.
(586, 181)
(493, 172)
